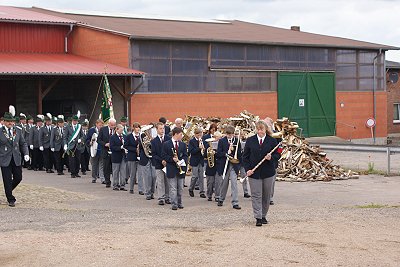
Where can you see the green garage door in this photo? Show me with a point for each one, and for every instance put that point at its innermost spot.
(309, 99)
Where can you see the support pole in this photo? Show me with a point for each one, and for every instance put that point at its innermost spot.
(39, 98)
(388, 160)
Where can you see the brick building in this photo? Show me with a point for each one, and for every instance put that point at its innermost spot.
(219, 68)
(393, 95)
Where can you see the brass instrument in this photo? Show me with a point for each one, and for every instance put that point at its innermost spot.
(146, 140)
(201, 146)
(177, 165)
(188, 130)
(210, 153)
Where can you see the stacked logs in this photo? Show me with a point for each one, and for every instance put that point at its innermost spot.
(302, 162)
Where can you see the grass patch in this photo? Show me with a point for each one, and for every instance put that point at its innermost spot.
(376, 206)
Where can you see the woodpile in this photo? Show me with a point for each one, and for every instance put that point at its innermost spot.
(302, 162)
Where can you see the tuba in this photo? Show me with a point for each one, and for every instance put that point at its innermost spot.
(210, 153)
(234, 159)
(93, 145)
(146, 139)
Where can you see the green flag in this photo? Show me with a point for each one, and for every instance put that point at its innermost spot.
(107, 112)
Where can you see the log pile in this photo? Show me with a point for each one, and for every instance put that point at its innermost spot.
(302, 162)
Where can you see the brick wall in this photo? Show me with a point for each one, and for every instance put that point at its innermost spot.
(100, 45)
(393, 95)
(357, 108)
(147, 108)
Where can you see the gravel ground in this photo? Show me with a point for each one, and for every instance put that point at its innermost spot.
(61, 221)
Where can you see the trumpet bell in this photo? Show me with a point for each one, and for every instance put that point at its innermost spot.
(277, 135)
(212, 139)
(146, 127)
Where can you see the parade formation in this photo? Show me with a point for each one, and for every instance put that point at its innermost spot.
(242, 150)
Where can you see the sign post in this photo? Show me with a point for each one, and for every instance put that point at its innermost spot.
(371, 123)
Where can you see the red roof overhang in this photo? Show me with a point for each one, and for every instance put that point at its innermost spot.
(59, 65)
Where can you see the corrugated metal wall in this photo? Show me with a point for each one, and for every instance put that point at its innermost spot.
(32, 38)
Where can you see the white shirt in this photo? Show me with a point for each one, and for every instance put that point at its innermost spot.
(259, 138)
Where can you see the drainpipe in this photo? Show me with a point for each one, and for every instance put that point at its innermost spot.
(66, 38)
(374, 93)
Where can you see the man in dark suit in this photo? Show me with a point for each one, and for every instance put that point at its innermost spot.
(146, 172)
(27, 138)
(96, 159)
(85, 149)
(257, 148)
(228, 169)
(72, 142)
(196, 152)
(57, 144)
(175, 154)
(118, 158)
(211, 167)
(132, 145)
(104, 141)
(44, 143)
(159, 164)
(37, 157)
(12, 148)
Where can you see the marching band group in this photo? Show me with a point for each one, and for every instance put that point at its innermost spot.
(153, 157)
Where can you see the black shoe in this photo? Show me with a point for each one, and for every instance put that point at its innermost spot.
(152, 196)
(130, 191)
(191, 193)
(141, 193)
(108, 185)
(123, 189)
(161, 202)
(41, 169)
(116, 189)
(180, 207)
(264, 220)
(174, 208)
(246, 195)
(51, 171)
(60, 173)
(184, 185)
(83, 173)
(271, 202)
(78, 176)
(148, 198)
(202, 196)
(259, 222)
(30, 168)
(210, 199)
(73, 176)
(237, 207)
(93, 181)
(11, 203)
(35, 169)
(220, 203)
(103, 182)
(167, 201)
(216, 199)
(197, 188)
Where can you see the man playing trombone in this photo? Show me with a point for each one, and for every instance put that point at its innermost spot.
(259, 158)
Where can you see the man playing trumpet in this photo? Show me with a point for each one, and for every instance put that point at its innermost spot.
(259, 147)
(197, 152)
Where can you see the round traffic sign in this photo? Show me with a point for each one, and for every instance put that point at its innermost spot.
(370, 123)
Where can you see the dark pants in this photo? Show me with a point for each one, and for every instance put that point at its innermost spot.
(107, 169)
(37, 159)
(74, 161)
(59, 160)
(12, 176)
(47, 159)
(85, 157)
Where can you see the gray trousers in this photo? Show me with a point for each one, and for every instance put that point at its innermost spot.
(197, 178)
(213, 185)
(162, 185)
(260, 196)
(133, 170)
(244, 184)
(95, 161)
(273, 188)
(119, 173)
(175, 191)
(101, 169)
(232, 177)
(149, 178)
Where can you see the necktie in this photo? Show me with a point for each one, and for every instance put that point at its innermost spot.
(9, 132)
(110, 132)
(162, 139)
(261, 142)
(176, 146)
(120, 138)
(136, 137)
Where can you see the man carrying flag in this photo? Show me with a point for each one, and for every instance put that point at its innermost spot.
(107, 111)
(72, 139)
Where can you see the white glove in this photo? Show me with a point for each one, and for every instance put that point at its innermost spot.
(41, 148)
(52, 149)
(79, 141)
(65, 147)
(31, 147)
(122, 147)
(26, 158)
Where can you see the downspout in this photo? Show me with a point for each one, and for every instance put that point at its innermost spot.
(71, 26)
(374, 92)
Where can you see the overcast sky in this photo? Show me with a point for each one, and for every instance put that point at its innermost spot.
(367, 20)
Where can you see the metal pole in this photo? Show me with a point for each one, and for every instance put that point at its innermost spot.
(388, 160)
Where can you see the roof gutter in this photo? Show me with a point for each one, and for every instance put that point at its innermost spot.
(71, 26)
